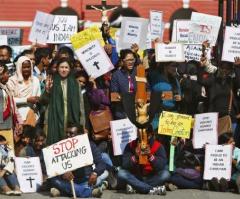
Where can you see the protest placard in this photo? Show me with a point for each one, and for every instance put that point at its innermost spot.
(8, 134)
(123, 132)
(169, 52)
(174, 124)
(94, 59)
(62, 29)
(41, 27)
(133, 30)
(204, 27)
(218, 162)
(180, 31)
(13, 35)
(156, 24)
(29, 174)
(3, 40)
(67, 155)
(192, 52)
(231, 46)
(205, 129)
(86, 36)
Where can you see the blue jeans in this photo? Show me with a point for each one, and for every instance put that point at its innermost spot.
(101, 178)
(9, 180)
(83, 190)
(146, 183)
(184, 183)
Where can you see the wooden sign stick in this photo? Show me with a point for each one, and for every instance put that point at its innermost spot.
(73, 189)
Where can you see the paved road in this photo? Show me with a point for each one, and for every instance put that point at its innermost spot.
(178, 194)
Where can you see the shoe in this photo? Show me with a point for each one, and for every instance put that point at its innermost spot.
(171, 187)
(223, 183)
(54, 192)
(214, 185)
(130, 190)
(8, 193)
(17, 193)
(162, 190)
(238, 184)
(104, 185)
(112, 179)
(97, 193)
(154, 191)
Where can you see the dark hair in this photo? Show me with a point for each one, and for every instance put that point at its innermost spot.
(41, 53)
(125, 52)
(66, 50)
(65, 60)
(49, 70)
(8, 48)
(224, 138)
(2, 138)
(5, 68)
(29, 131)
(40, 133)
(81, 73)
(227, 63)
(75, 125)
(27, 52)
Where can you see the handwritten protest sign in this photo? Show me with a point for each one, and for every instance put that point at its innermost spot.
(192, 52)
(3, 40)
(205, 129)
(218, 162)
(169, 52)
(84, 37)
(67, 155)
(62, 29)
(29, 174)
(13, 35)
(133, 30)
(175, 124)
(41, 27)
(180, 31)
(94, 59)
(204, 27)
(156, 24)
(231, 46)
(123, 132)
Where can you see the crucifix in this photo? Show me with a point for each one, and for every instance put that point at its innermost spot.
(30, 179)
(103, 8)
(96, 64)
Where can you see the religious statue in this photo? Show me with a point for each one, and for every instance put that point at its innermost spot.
(104, 12)
(142, 111)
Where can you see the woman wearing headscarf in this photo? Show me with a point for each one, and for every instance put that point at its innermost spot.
(26, 90)
(62, 94)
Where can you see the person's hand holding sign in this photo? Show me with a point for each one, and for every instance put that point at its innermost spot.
(68, 176)
(92, 178)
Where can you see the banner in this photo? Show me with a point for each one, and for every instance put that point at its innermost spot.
(204, 27)
(156, 25)
(94, 59)
(41, 27)
(180, 31)
(175, 124)
(205, 130)
(13, 35)
(84, 37)
(67, 155)
(169, 52)
(123, 132)
(133, 30)
(218, 162)
(62, 29)
(231, 46)
(29, 174)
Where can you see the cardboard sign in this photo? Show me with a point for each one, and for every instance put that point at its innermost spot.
(133, 30)
(231, 46)
(192, 52)
(94, 59)
(29, 174)
(8, 134)
(169, 52)
(62, 29)
(13, 35)
(156, 24)
(3, 40)
(218, 162)
(180, 31)
(205, 130)
(204, 27)
(174, 124)
(41, 27)
(67, 155)
(86, 36)
(123, 132)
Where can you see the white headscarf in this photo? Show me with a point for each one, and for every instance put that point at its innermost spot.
(19, 67)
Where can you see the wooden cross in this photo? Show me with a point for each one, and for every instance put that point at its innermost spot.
(103, 8)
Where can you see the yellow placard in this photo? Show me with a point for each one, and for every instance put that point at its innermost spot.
(8, 134)
(86, 36)
(175, 124)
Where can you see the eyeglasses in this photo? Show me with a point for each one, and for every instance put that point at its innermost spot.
(129, 60)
